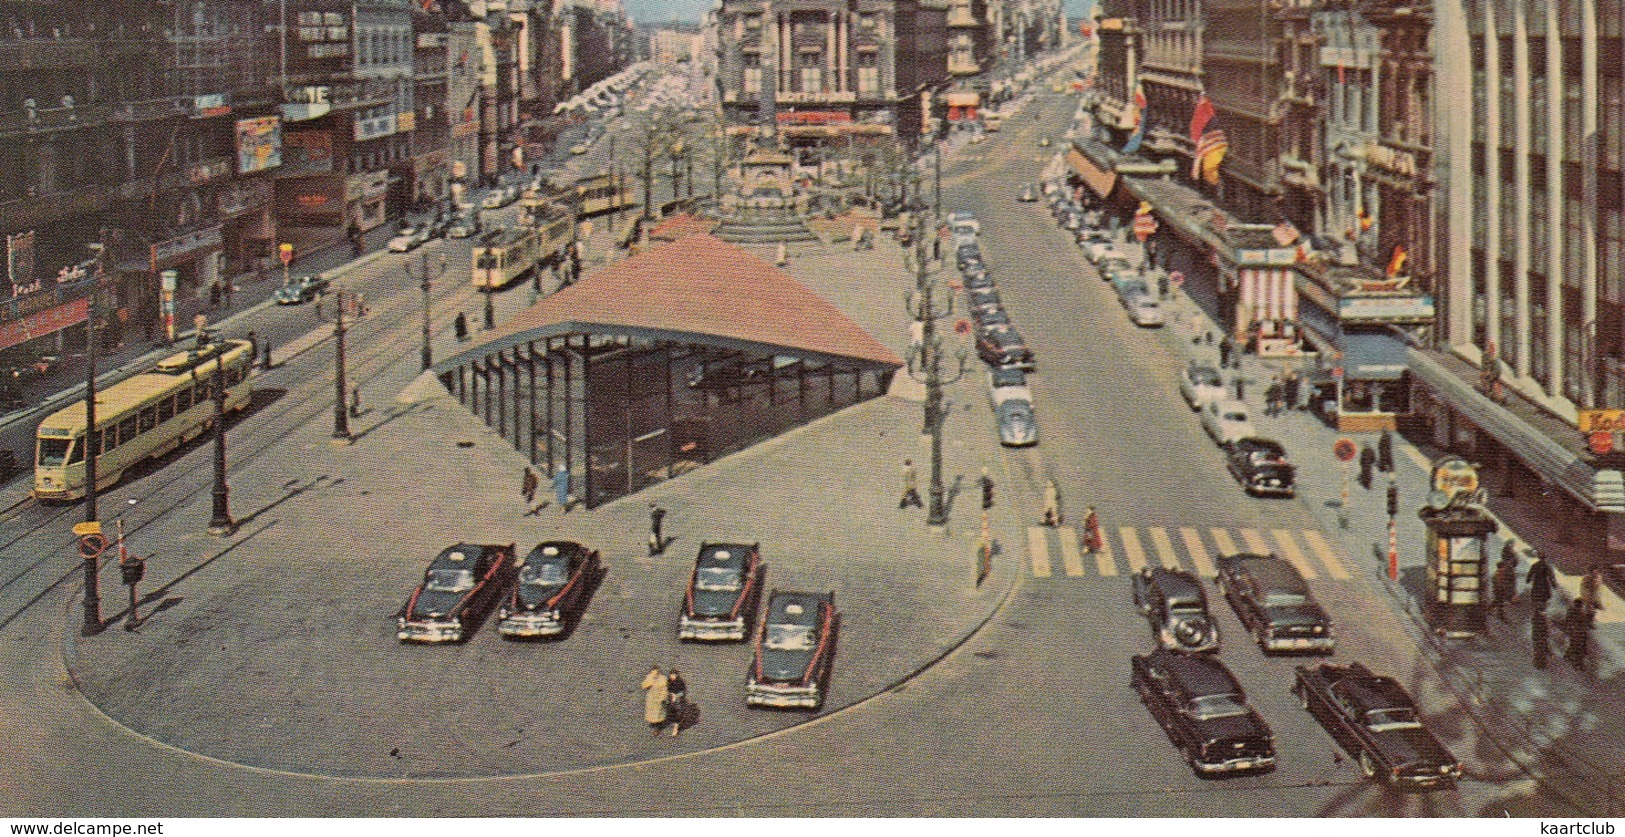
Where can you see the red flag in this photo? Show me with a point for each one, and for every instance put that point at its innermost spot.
(1199, 119)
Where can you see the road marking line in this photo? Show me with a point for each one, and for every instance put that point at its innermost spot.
(1221, 538)
(1255, 541)
(1198, 552)
(1417, 457)
(1038, 548)
(1323, 551)
(1291, 552)
(1131, 548)
(1165, 547)
(1070, 559)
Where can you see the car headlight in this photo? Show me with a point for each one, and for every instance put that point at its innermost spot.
(1320, 629)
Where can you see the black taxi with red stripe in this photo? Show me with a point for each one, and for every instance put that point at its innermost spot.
(554, 584)
(724, 593)
(461, 585)
(795, 651)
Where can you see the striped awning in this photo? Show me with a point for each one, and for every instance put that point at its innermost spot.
(1101, 181)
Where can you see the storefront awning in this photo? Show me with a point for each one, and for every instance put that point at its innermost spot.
(1100, 181)
(1372, 355)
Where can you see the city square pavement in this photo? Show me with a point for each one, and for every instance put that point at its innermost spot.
(1559, 723)
(275, 647)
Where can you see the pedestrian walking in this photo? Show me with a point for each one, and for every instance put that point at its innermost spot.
(1093, 540)
(657, 541)
(561, 488)
(1591, 588)
(460, 326)
(253, 348)
(1539, 638)
(654, 700)
(1225, 348)
(214, 296)
(1509, 554)
(1241, 388)
(528, 483)
(911, 487)
(320, 295)
(1290, 389)
(987, 490)
(1385, 451)
(1577, 628)
(1541, 582)
(1368, 461)
(676, 700)
(1052, 504)
(1272, 399)
(353, 233)
(229, 289)
(1503, 588)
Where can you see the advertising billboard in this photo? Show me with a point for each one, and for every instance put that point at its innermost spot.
(259, 144)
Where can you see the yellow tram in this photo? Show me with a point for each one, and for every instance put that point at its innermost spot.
(602, 193)
(142, 417)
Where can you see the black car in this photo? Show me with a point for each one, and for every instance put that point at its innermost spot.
(1003, 346)
(966, 254)
(458, 589)
(795, 651)
(1273, 602)
(724, 592)
(1176, 606)
(302, 289)
(1202, 707)
(983, 297)
(978, 280)
(1261, 466)
(554, 584)
(1375, 721)
(988, 316)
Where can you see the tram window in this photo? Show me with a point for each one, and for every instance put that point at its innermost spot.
(149, 418)
(77, 455)
(166, 410)
(109, 438)
(201, 392)
(52, 452)
(126, 430)
(183, 400)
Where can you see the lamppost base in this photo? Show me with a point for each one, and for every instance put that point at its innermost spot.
(88, 629)
(339, 441)
(222, 527)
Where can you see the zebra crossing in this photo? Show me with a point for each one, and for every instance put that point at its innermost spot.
(1055, 551)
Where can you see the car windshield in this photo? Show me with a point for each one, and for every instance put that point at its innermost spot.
(449, 581)
(542, 575)
(716, 578)
(1398, 717)
(790, 637)
(1205, 377)
(408, 231)
(1235, 415)
(1281, 598)
(53, 452)
(1208, 707)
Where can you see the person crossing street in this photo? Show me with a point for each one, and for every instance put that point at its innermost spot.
(657, 539)
(1052, 504)
(1094, 541)
(987, 490)
(911, 487)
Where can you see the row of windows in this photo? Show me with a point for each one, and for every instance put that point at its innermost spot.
(131, 427)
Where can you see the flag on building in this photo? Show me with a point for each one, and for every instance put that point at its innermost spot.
(1397, 263)
(1137, 111)
(1211, 144)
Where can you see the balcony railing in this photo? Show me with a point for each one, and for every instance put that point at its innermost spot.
(53, 119)
(151, 109)
(47, 53)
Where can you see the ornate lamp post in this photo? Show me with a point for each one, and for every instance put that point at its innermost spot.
(220, 522)
(341, 418)
(425, 283)
(925, 365)
(93, 600)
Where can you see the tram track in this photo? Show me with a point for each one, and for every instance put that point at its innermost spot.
(391, 342)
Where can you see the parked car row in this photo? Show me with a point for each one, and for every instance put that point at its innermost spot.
(544, 595)
(1259, 464)
(998, 343)
(1203, 708)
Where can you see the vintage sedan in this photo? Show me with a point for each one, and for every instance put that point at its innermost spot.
(1176, 606)
(408, 238)
(724, 592)
(1204, 711)
(1261, 466)
(966, 254)
(795, 651)
(1145, 312)
(979, 280)
(464, 224)
(1018, 424)
(1373, 719)
(1226, 421)
(553, 585)
(1274, 604)
(1003, 346)
(302, 289)
(1201, 385)
(983, 297)
(459, 588)
(990, 316)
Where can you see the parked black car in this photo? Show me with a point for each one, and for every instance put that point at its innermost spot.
(967, 253)
(1003, 346)
(458, 590)
(795, 651)
(978, 280)
(1273, 602)
(1202, 707)
(989, 316)
(724, 592)
(1261, 466)
(983, 297)
(554, 584)
(1375, 721)
(1176, 606)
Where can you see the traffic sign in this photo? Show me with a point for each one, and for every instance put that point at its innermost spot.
(1602, 442)
(1144, 226)
(962, 327)
(92, 545)
(285, 251)
(1345, 449)
(1177, 278)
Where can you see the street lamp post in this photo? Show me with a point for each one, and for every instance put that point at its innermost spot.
(220, 522)
(425, 283)
(341, 418)
(93, 441)
(925, 365)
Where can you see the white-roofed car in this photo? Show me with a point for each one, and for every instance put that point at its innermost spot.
(1200, 384)
(1227, 421)
(1145, 311)
(1013, 407)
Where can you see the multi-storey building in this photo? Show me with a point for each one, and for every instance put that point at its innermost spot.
(1169, 69)
(431, 127)
(1348, 66)
(1302, 106)
(1241, 65)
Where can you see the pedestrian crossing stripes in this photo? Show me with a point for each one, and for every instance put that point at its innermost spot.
(1054, 551)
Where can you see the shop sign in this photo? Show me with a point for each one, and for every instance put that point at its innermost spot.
(20, 259)
(309, 149)
(803, 97)
(1271, 257)
(44, 322)
(259, 144)
(210, 104)
(1607, 421)
(316, 201)
(242, 196)
(406, 122)
(813, 117)
(367, 186)
(377, 126)
(1455, 476)
(165, 252)
(1390, 309)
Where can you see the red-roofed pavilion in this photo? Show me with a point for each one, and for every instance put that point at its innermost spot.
(657, 364)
